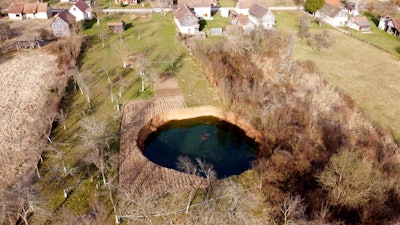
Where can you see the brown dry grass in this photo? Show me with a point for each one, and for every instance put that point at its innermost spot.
(26, 78)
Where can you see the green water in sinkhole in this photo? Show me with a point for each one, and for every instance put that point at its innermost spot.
(215, 142)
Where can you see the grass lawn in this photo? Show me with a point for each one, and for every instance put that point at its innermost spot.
(217, 22)
(156, 36)
(362, 71)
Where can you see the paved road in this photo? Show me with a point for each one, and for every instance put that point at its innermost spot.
(146, 10)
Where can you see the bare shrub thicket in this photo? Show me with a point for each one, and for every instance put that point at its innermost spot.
(305, 122)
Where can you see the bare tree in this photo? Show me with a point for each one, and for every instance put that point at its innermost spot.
(352, 182)
(23, 201)
(186, 165)
(62, 118)
(321, 41)
(304, 27)
(5, 31)
(292, 209)
(143, 66)
(123, 51)
(261, 167)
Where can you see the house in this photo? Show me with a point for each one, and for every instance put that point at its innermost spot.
(29, 10)
(201, 8)
(383, 21)
(116, 27)
(359, 23)
(43, 11)
(15, 11)
(390, 25)
(352, 8)
(332, 15)
(244, 22)
(81, 10)
(243, 6)
(62, 24)
(186, 21)
(262, 16)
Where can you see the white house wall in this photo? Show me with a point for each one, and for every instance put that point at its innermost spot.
(77, 13)
(203, 12)
(15, 16)
(29, 16)
(185, 29)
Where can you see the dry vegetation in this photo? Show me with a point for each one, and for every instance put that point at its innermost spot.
(319, 148)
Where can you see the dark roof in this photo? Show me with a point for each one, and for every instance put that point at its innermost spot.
(396, 23)
(66, 16)
(42, 7)
(16, 7)
(330, 10)
(81, 5)
(258, 11)
(361, 21)
(186, 17)
(30, 8)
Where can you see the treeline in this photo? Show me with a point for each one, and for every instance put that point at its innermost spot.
(322, 162)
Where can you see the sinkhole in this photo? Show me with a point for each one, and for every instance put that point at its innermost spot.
(220, 144)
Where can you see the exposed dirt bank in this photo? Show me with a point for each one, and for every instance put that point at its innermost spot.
(190, 113)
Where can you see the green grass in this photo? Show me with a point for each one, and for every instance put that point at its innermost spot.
(156, 36)
(362, 71)
(217, 22)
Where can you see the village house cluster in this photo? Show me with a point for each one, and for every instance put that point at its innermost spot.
(337, 14)
(247, 15)
(63, 20)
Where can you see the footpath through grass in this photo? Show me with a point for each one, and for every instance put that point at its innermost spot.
(364, 72)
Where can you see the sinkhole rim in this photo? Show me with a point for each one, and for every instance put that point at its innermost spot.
(230, 118)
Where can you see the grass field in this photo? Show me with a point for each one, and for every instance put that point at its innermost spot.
(362, 71)
(156, 36)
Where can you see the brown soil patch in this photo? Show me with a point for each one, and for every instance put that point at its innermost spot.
(26, 78)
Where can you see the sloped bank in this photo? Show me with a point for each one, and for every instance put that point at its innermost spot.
(192, 113)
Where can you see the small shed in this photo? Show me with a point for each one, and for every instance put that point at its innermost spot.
(359, 23)
(216, 31)
(116, 27)
(224, 12)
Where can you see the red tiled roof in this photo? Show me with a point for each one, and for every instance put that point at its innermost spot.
(42, 7)
(330, 10)
(81, 5)
(242, 19)
(333, 2)
(258, 11)
(16, 7)
(396, 23)
(30, 8)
